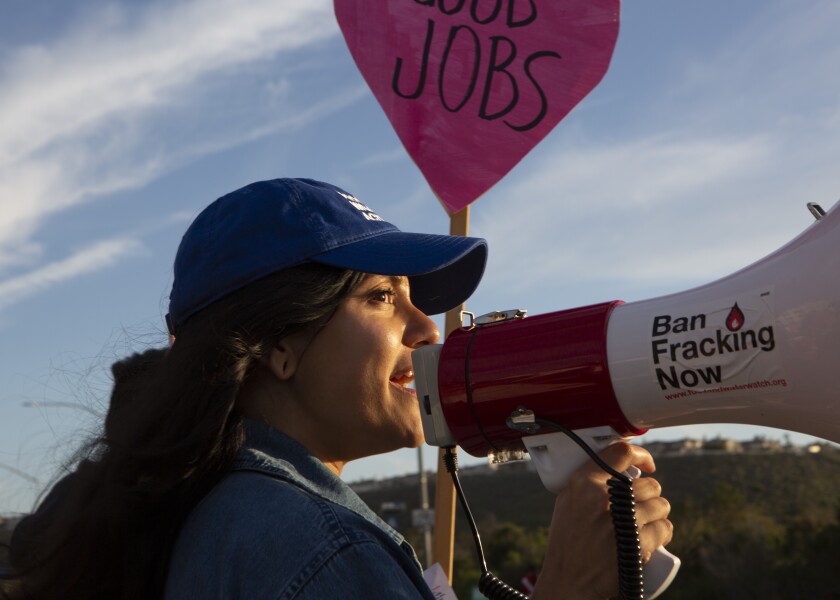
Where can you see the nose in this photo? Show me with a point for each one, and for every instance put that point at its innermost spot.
(420, 330)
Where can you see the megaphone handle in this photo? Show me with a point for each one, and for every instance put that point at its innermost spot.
(556, 457)
(659, 572)
(662, 567)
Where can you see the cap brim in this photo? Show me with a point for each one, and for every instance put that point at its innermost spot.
(443, 270)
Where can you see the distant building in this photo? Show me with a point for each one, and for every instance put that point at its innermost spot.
(367, 485)
(675, 448)
(723, 445)
(762, 445)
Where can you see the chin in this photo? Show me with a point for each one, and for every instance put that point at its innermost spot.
(416, 441)
(415, 432)
(393, 444)
(411, 438)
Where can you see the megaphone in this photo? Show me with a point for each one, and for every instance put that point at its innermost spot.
(759, 347)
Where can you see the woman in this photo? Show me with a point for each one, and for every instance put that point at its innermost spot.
(294, 312)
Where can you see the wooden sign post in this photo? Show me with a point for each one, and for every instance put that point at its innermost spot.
(444, 535)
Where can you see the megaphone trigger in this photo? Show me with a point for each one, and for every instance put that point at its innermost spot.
(633, 472)
(556, 455)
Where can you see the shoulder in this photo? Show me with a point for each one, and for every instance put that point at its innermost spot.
(257, 502)
(256, 535)
(364, 570)
(273, 518)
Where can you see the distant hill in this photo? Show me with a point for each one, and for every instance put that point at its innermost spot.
(785, 484)
(747, 525)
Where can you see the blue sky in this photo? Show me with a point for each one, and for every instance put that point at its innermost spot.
(119, 121)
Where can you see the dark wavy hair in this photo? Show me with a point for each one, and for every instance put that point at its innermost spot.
(170, 435)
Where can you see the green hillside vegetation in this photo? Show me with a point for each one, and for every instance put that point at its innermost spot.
(746, 525)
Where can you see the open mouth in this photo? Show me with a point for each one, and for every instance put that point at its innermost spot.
(403, 380)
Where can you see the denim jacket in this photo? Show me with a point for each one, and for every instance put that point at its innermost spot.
(281, 525)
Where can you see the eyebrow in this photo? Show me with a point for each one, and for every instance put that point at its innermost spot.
(399, 281)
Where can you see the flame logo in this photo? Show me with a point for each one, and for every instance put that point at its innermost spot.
(735, 319)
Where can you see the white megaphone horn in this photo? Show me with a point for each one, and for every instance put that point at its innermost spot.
(759, 347)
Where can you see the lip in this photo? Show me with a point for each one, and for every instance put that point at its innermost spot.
(406, 390)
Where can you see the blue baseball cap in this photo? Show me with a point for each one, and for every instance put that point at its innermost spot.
(272, 225)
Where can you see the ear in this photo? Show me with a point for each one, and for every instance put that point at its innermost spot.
(284, 358)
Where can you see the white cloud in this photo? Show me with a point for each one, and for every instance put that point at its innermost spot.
(581, 209)
(116, 65)
(93, 258)
(114, 103)
(741, 141)
(657, 214)
(781, 65)
(382, 158)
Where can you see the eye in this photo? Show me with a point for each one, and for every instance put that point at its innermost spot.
(386, 295)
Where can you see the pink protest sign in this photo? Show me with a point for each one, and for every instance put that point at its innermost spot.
(471, 86)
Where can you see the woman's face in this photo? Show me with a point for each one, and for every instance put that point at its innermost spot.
(351, 378)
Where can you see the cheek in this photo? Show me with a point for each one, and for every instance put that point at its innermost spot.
(415, 429)
(376, 349)
(360, 358)
(364, 361)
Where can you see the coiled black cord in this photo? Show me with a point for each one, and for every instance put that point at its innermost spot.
(494, 588)
(622, 511)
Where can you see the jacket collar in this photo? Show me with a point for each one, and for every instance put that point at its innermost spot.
(273, 453)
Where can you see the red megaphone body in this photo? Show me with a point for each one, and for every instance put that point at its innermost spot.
(761, 347)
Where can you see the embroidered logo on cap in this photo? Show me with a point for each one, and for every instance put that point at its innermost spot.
(366, 212)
